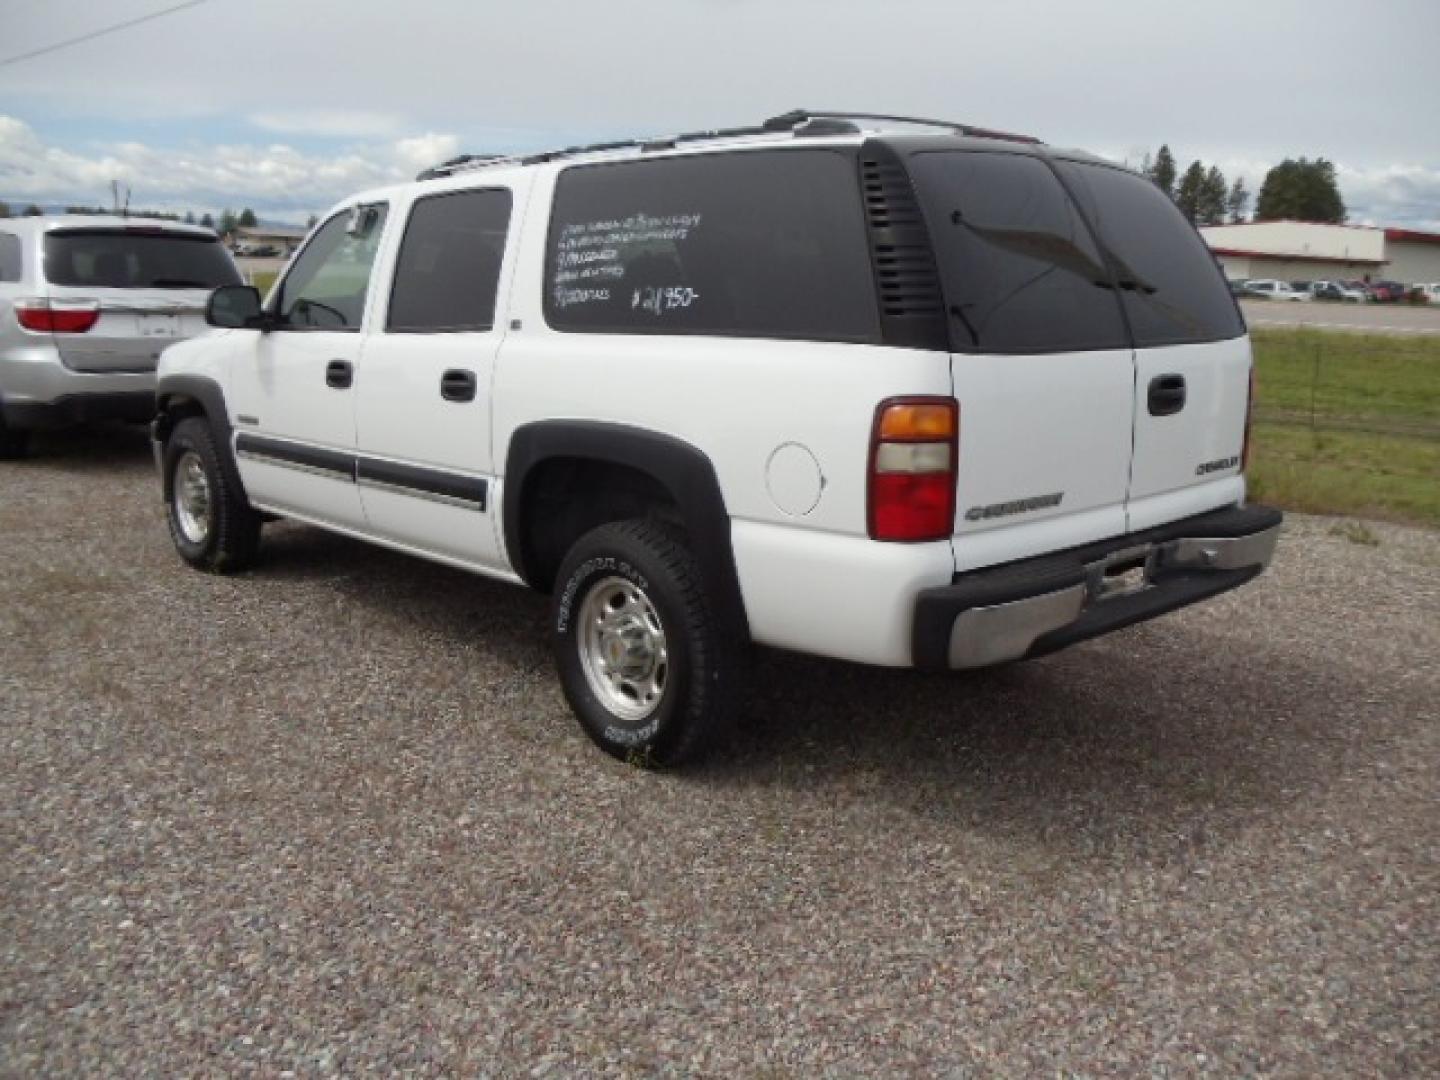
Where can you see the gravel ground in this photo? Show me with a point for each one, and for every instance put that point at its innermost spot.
(332, 816)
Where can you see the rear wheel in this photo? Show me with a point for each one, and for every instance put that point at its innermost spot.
(13, 444)
(642, 658)
(212, 525)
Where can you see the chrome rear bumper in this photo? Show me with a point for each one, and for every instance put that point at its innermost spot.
(1041, 605)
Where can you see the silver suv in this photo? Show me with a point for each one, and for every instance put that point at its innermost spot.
(86, 306)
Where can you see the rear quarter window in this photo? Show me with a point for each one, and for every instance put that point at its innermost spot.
(1021, 270)
(97, 258)
(1172, 288)
(764, 244)
(9, 257)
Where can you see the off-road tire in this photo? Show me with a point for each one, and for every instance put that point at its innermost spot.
(704, 674)
(231, 538)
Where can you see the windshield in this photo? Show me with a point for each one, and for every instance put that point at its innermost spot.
(96, 258)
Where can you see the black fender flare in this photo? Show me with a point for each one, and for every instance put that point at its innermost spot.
(681, 469)
(211, 398)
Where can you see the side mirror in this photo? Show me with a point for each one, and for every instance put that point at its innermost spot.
(235, 307)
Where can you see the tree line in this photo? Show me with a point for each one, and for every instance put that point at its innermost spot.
(1297, 189)
(229, 220)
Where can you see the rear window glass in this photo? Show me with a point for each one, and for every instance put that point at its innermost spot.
(755, 244)
(1172, 288)
(1021, 271)
(449, 265)
(119, 260)
(9, 257)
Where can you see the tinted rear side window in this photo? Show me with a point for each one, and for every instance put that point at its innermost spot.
(1022, 272)
(449, 264)
(1173, 291)
(9, 257)
(122, 260)
(755, 244)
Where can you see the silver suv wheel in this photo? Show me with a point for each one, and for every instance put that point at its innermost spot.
(622, 649)
(192, 497)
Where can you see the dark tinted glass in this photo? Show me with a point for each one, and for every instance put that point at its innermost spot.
(1021, 271)
(326, 285)
(124, 260)
(754, 244)
(9, 257)
(449, 266)
(1172, 288)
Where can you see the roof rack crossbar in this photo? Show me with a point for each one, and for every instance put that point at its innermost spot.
(785, 123)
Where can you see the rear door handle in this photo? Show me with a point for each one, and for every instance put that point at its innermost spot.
(1167, 395)
(457, 384)
(340, 374)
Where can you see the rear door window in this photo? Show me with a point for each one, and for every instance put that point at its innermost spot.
(1172, 288)
(1021, 271)
(764, 244)
(449, 265)
(131, 259)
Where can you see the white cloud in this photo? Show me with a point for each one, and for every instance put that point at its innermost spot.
(276, 179)
(328, 123)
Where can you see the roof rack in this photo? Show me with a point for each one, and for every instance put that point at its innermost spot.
(801, 123)
(800, 116)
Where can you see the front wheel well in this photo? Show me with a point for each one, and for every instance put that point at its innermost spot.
(563, 498)
(172, 410)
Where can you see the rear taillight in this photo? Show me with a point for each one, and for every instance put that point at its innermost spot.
(57, 316)
(913, 449)
(1249, 417)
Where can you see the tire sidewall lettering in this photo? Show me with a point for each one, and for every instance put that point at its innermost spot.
(586, 573)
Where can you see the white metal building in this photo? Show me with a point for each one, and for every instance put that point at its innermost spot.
(1307, 250)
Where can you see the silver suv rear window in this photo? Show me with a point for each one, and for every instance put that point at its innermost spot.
(110, 259)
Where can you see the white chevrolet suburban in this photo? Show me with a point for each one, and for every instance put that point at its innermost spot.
(901, 392)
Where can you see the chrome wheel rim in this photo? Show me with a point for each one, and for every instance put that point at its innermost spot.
(192, 498)
(623, 650)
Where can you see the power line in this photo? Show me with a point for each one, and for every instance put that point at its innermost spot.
(98, 33)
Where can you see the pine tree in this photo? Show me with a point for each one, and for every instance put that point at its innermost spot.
(208, 220)
(246, 220)
(1237, 201)
(189, 217)
(1163, 171)
(34, 211)
(1212, 198)
(4, 209)
(1191, 191)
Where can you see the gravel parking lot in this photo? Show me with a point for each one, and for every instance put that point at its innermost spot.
(333, 816)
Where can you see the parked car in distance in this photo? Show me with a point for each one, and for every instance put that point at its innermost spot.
(1426, 292)
(595, 372)
(1336, 290)
(1240, 289)
(1278, 290)
(1386, 292)
(86, 306)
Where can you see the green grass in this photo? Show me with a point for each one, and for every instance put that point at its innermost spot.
(1381, 383)
(1347, 424)
(262, 280)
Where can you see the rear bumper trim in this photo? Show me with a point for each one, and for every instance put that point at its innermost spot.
(1040, 605)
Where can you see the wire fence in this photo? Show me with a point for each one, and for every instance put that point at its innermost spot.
(1358, 415)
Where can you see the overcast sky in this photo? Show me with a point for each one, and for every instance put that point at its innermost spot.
(288, 105)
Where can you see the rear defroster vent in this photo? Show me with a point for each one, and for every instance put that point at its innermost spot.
(912, 306)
